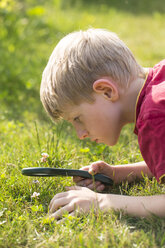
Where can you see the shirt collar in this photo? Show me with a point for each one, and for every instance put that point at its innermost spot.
(141, 95)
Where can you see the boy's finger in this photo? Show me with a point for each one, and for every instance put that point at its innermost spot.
(57, 204)
(84, 182)
(76, 179)
(73, 188)
(58, 214)
(97, 167)
(94, 168)
(86, 168)
(94, 185)
(100, 187)
(57, 196)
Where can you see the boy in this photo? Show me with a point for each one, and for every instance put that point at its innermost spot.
(93, 81)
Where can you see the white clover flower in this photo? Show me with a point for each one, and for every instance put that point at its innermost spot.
(36, 181)
(45, 155)
(35, 194)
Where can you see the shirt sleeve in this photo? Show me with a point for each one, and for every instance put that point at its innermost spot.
(151, 137)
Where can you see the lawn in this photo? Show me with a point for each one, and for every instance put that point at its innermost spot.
(29, 31)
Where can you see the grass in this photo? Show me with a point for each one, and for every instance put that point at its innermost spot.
(28, 36)
(24, 221)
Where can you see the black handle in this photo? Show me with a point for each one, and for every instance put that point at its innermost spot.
(49, 172)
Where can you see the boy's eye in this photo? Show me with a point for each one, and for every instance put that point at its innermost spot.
(77, 119)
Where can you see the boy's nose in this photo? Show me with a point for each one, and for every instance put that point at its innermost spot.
(82, 134)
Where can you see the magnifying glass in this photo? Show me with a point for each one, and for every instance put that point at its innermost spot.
(54, 172)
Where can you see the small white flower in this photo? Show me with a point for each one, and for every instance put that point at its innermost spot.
(35, 194)
(101, 237)
(36, 181)
(45, 155)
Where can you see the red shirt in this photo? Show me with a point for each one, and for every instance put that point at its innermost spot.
(150, 120)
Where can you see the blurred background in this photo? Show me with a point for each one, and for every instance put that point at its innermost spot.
(29, 31)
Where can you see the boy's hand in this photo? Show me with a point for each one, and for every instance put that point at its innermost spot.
(75, 200)
(94, 168)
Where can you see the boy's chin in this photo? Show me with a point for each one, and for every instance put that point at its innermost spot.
(108, 142)
(112, 142)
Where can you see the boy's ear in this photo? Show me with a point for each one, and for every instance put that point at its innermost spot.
(107, 88)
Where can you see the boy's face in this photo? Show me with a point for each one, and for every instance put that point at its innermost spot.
(100, 121)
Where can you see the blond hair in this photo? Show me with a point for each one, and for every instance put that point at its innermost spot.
(78, 60)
